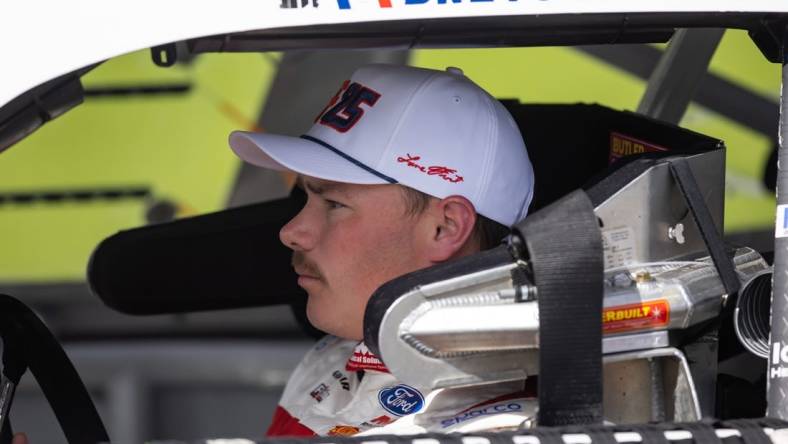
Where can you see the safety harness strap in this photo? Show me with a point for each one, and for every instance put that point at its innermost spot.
(680, 169)
(564, 248)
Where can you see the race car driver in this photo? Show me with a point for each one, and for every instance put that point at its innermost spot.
(404, 168)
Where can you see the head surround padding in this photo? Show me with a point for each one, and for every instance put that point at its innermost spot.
(228, 259)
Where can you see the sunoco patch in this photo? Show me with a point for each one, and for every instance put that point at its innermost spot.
(401, 400)
(488, 410)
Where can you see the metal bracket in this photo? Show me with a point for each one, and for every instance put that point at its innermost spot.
(770, 38)
(164, 55)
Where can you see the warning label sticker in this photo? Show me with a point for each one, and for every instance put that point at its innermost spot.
(618, 245)
(622, 145)
(649, 314)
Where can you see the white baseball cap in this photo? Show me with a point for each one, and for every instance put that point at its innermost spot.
(434, 131)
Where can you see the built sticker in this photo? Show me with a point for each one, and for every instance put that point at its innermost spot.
(644, 315)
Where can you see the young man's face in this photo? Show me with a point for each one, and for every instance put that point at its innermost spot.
(347, 241)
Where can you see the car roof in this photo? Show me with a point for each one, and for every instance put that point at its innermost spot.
(71, 36)
(69, 39)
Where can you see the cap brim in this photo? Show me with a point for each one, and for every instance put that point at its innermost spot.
(302, 156)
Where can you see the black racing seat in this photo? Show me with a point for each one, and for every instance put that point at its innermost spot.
(233, 258)
(228, 259)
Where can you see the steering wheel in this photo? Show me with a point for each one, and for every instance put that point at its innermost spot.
(27, 343)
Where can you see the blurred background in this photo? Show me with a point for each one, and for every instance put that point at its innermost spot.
(149, 145)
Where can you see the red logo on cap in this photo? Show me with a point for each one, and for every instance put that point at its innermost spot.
(445, 173)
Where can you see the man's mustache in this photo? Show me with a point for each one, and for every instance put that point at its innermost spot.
(304, 266)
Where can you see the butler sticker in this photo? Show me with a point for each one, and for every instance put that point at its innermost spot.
(622, 145)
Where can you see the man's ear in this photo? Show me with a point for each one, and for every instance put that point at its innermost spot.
(453, 222)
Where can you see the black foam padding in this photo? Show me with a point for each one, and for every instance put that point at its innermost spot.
(229, 259)
(569, 144)
(564, 248)
(233, 258)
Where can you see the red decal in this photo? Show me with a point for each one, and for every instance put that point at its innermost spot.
(381, 420)
(622, 145)
(645, 315)
(385, 3)
(343, 430)
(363, 359)
(284, 424)
(445, 173)
(411, 161)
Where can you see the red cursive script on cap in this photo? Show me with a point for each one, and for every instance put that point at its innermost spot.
(443, 172)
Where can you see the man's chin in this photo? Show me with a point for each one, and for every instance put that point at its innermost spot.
(317, 316)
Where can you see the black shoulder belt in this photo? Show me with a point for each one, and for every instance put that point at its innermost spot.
(564, 249)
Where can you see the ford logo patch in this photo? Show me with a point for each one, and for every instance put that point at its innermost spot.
(401, 400)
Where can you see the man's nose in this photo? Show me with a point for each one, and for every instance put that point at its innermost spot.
(299, 233)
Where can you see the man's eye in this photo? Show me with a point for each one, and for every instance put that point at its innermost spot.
(332, 204)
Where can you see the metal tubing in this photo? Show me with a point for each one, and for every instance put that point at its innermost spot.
(679, 72)
(777, 392)
(130, 408)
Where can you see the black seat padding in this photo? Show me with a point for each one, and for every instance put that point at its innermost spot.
(569, 144)
(228, 259)
(233, 258)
